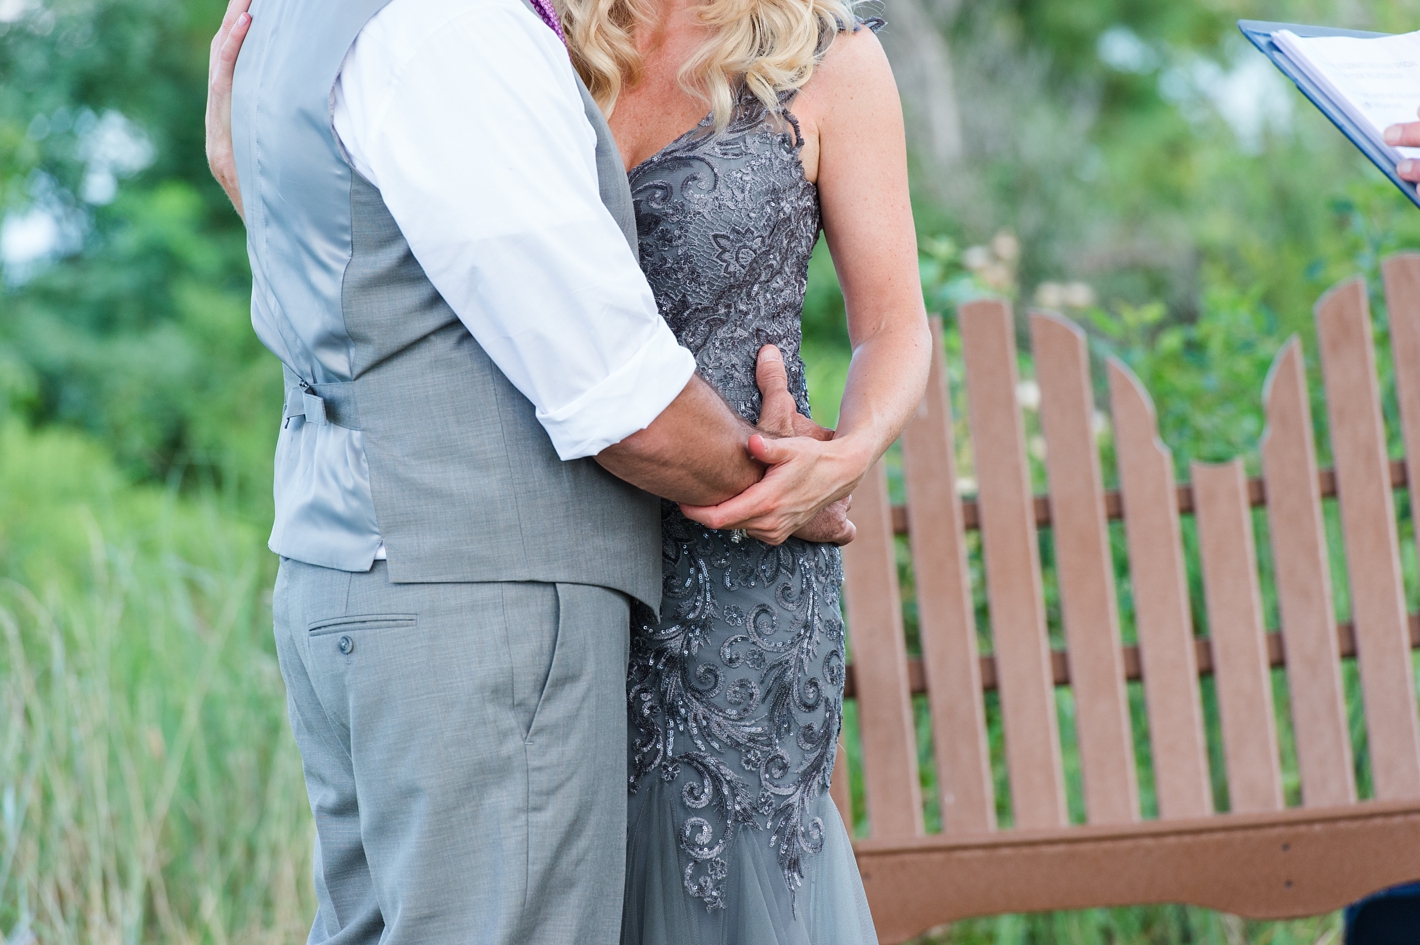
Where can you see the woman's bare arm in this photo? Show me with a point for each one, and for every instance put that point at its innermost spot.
(851, 112)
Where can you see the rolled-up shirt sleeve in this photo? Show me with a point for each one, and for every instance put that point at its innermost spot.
(466, 116)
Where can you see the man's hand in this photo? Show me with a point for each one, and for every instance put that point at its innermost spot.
(779, 416)
(809, 496)
(778, 413)
(221, 64)
(831, 525)
(1405, 136)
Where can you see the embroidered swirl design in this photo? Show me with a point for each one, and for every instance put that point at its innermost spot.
(736, 693)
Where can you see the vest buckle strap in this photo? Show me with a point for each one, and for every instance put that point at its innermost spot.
(330, 404)
(314, 406)
(304, 403)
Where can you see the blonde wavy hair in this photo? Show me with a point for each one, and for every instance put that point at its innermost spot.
(768, 46)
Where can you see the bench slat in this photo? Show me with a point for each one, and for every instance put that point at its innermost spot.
(1368, 525)
(1013, 579)
(1303, 578)
(1240, 663)
(894, 796)
(1162, 614)
(1086, 571)
(944, 605)
(1402, 290)
(1263, 866)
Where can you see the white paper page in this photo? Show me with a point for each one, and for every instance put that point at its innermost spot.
(1376, 81)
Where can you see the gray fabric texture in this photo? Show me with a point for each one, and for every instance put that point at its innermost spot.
(457, 748)
(295, 188)
(735, 687)
(466, 483)
(425, 444)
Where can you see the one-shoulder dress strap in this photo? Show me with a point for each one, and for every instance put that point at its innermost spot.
(829, 32)
(874, 23)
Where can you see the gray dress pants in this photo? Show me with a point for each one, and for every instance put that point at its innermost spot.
(464, 755)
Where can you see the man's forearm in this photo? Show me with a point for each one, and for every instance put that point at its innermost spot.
(693, 452)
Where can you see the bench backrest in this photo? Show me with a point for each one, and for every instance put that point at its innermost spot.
(1169, 658)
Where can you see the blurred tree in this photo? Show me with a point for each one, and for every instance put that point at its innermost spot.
(125, 280)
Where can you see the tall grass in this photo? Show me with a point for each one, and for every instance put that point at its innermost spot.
(149, 789)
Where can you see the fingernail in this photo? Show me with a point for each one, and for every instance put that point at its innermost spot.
(1405, 167)
(1392, 134)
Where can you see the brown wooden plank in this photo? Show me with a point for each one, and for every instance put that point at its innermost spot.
(1301, 862)
(1234, 601)
(1402, 289)
(1013, 581)
(885, 724)
(1114, 503)
(945, 613)
(1133, 665)
(1086, 571)
(840, 787)
(1162, 614)
(1368, 524)
(1303, 578)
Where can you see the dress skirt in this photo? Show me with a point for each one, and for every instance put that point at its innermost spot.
(829, 908)
(735, 700)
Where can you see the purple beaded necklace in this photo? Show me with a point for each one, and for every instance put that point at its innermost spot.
(549, 16)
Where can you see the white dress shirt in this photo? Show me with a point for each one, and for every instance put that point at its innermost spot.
(466, 116)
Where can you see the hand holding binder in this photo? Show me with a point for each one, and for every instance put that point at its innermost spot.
(1405, 134)
(1363, 82)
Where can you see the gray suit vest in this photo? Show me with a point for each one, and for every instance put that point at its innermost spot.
(398, 426)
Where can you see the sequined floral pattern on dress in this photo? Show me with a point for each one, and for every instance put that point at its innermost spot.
(736, 693)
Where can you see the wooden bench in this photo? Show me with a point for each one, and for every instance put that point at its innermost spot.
(1259, 859)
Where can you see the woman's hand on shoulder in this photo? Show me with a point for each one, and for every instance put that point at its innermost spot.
(221, 66)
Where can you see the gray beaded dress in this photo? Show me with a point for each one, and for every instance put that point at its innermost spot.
(735, 693)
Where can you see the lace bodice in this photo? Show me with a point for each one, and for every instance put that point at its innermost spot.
(727, 224)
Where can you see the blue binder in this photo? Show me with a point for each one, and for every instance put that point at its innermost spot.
(1259, 33)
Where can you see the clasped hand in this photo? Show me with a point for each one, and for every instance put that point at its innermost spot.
(806, 491)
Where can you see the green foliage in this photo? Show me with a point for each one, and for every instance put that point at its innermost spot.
(149, 789)
(138, 334)
(1205, 375)
(1157, 925)
(1143, 173)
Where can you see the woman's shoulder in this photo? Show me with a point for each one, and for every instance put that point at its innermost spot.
(853, 60)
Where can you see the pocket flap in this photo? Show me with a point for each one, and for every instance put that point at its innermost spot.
(359, 622)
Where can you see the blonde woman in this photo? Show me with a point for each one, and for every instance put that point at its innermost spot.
(736, 690)
(747, 127)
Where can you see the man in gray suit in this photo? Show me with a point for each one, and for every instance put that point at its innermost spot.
(443, 258)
